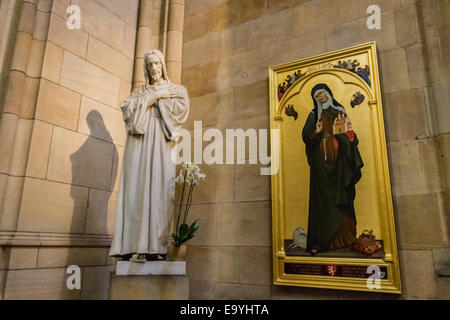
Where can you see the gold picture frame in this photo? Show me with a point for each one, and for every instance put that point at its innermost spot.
(352, 76)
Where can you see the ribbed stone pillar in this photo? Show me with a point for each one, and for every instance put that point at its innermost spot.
(175, 39)
(143, 40)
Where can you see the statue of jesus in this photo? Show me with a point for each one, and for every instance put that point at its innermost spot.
(153, 115)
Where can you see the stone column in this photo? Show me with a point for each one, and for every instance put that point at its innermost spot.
(18, 109)
(143, 40)
(19, 106)
(175, 40)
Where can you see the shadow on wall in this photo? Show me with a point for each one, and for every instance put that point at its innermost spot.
(90, 215)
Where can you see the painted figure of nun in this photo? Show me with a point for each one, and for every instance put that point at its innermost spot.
(335, 167)
(153, 115)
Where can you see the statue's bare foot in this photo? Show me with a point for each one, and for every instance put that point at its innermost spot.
(139, 258)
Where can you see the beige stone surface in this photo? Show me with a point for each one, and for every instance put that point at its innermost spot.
(61, 209)
(95, 285)
(244, 224)
(250, 184)
(149, 288)
(109, 59)
(21, 147)
(418, 276)
(356, 32)
(51, 69)
(264, 31)
(80, 160)
(443, 287)
(232, 291)
(7, 131)
(4, 257)
(430, 161)
(12, 192)
(302, 46)
(39, 149)
(333, 13)
(214, 110)
(14, 92)
(100, 121)
(23, 258)
(199, 24)
(394, 71)
(2, 283)
(42, 24)
(101, 213)
(59, 7)
(62, 257)
(130, 41)
(124, 92)
(58, 105)
(444, 151)
(101, 23)
(75, 41)
(405, 115)
(404, 158)
(176, 16)
(417, 66)
(299, 293)
(202, 290)
(29, 97)
(27, 18)
(213, 263)
(21, 52)
(35, 58)
(89, 80)
(234, 12)
(200, 80)
(250, 100)
(38, 284)
(126, 10)
(405, 26)
(255, 267)
(207, 221)
(419, 221)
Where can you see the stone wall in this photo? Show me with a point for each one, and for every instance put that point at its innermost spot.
(62, 134)
(229, 46)
(62, 139)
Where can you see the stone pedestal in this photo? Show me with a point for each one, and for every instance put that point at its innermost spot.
(157, 268)
(156, 280)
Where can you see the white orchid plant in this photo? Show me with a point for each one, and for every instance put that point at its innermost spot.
(189, 175)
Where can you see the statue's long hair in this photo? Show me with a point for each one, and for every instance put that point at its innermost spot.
(148, 78)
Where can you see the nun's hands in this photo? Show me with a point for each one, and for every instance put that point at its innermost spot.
(319, 127)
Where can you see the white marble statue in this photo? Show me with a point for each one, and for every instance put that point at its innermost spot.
(153, 115)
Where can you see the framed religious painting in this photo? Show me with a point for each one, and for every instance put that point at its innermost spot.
(333, 220)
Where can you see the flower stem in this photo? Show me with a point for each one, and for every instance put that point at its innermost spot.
(189, 201)
(181, 205)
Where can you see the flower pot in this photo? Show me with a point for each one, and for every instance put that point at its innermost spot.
(176, 253)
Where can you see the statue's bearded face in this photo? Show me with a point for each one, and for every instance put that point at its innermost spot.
(154, 67)
(321, 96)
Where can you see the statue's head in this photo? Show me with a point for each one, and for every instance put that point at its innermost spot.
(154, 67)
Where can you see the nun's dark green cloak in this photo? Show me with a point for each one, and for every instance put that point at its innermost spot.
(332, 187)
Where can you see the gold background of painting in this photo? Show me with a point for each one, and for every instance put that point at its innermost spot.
(290, 186)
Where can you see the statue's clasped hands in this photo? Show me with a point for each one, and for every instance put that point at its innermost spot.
(166, 93)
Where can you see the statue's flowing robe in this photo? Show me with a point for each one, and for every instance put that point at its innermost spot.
(146, 197)
(335, 168)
